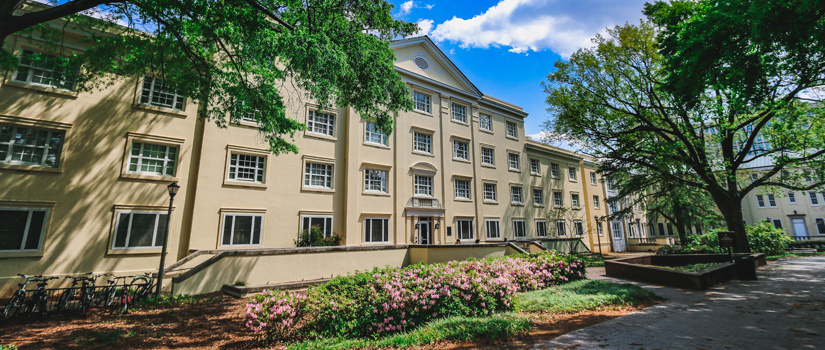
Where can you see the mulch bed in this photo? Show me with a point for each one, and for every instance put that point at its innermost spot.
(218, 324)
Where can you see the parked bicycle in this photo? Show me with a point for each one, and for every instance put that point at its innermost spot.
(37, 302)
(83, 295)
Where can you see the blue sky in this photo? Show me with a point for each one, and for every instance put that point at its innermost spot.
(507, 47)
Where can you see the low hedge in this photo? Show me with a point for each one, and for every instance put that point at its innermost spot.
(393, 300)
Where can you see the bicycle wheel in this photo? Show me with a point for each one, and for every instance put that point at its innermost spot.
(63, 302)
(13, 307)
(140, 287)
(43, 304)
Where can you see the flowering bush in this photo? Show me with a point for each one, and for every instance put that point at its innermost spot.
(393, 300)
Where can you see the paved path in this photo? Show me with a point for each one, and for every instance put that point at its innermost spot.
(784, 309)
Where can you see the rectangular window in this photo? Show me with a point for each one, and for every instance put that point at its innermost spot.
(318, 175)
(670, 229)
(616, 229)
(791, 198)
(557, 199)
(516, 195)
(541, 228)
(574, 200)
(631, 230)
(376, 230)
(519, 230)
(490, 192)
(613, 207)
(247, 168)
(812, 196)
(661, 229)
(41, 69)
(241, 229)
(571, 173)
(777, 223)
(596, 202)
(321, 123)
(460, 113)
(485, 122)
(374, 134)
(139, 229)
(421, 102)
(760, 201)
(771, 200)
(579, 227)
(322, 223)
(554, 170)
(513, 161)
(820, 225)
(462, 189)
(30, 146)
(592, 178)
(488, 156)
(535, 167)
(754, 177)
(538, 197)
(492, 229)
(698, 229)
(461, 150)
(156, 92)
(423, 142)
(148, 158)
(465, 229)
(599, 229)
(375, 181)
(512, 129)
(424, 185)
(22, 229)
(561, 230)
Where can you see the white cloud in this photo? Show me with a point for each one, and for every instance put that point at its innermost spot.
(535, 25)
(563, 141)
(429, 6)
(405, 8)
(424, 27)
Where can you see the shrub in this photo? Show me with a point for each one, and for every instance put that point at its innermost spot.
(314, 237)
(762, 237)
(392, 300)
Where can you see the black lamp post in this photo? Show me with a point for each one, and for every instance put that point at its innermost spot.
(173, 190)
(598, 237)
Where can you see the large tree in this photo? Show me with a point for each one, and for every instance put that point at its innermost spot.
(646, 97)
(232, 56)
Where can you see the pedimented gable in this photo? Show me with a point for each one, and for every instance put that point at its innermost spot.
(420, 56)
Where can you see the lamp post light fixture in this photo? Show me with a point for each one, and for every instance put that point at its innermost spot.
(598, 237)
(173, 190)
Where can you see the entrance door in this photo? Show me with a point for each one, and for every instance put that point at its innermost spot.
(618, 237)
(425, 233)
(799, 228)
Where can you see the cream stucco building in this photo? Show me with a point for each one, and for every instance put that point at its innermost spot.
(83, 175)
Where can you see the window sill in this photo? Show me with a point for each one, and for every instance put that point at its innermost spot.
(491, 166)
(317, 189)
(514, 170)
(538, 205)
(149, 177)
(486, 131)
(164, 110)
(460, 160)
(134, 251)
(487, 201)
(376, 194)
(320, 136)
(516, 204)
(29, 254)
(423, 153)
(376, 145)
(512, 138)
(244, 184)
(429, 114)
(459, 122)
(535, 174)
(467, 200)
(32, 168)
(245, 124)
(573, 181)
(44, 89)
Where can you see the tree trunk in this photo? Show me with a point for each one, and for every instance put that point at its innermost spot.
(682, 231)
(732, 211)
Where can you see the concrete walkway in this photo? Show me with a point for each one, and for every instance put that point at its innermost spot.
(784, 309)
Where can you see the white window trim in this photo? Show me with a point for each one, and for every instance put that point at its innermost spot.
(561, 225)
(592, 178)
(521, 194)
(311, 216)
(469, 189)
(429, 186)
(510, 163)
(560, 197)
(575, 200)
(387, 233)
(596, 202)
(816, 225)
(481, 123)
(760, 201)
(791, 198)
(29, 81)
(43, 230)
(458, 229)
(232, 149)
(456, 155)
(812, 196)
(8, 162)
(260, 216)
(176, 95)
(327, 166)
(507, 133)
(487, 230)
(571, 175)
(538, 165)
(310, 131)
(385, 184)
(494, 192)
(537, 227)
(155, 243)
(453, 106)
(429, 150)
(377, 132)
(576, 225)
(492, 162)
(429, 102)
(555, 170)
(771, 197)
(541, 193)
(523, 228)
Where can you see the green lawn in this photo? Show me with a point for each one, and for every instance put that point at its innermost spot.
(568, 298)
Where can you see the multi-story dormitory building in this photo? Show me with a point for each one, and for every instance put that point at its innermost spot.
(83, 176)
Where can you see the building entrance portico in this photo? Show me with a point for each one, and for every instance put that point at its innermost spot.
(424, 216)
(424, 228)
